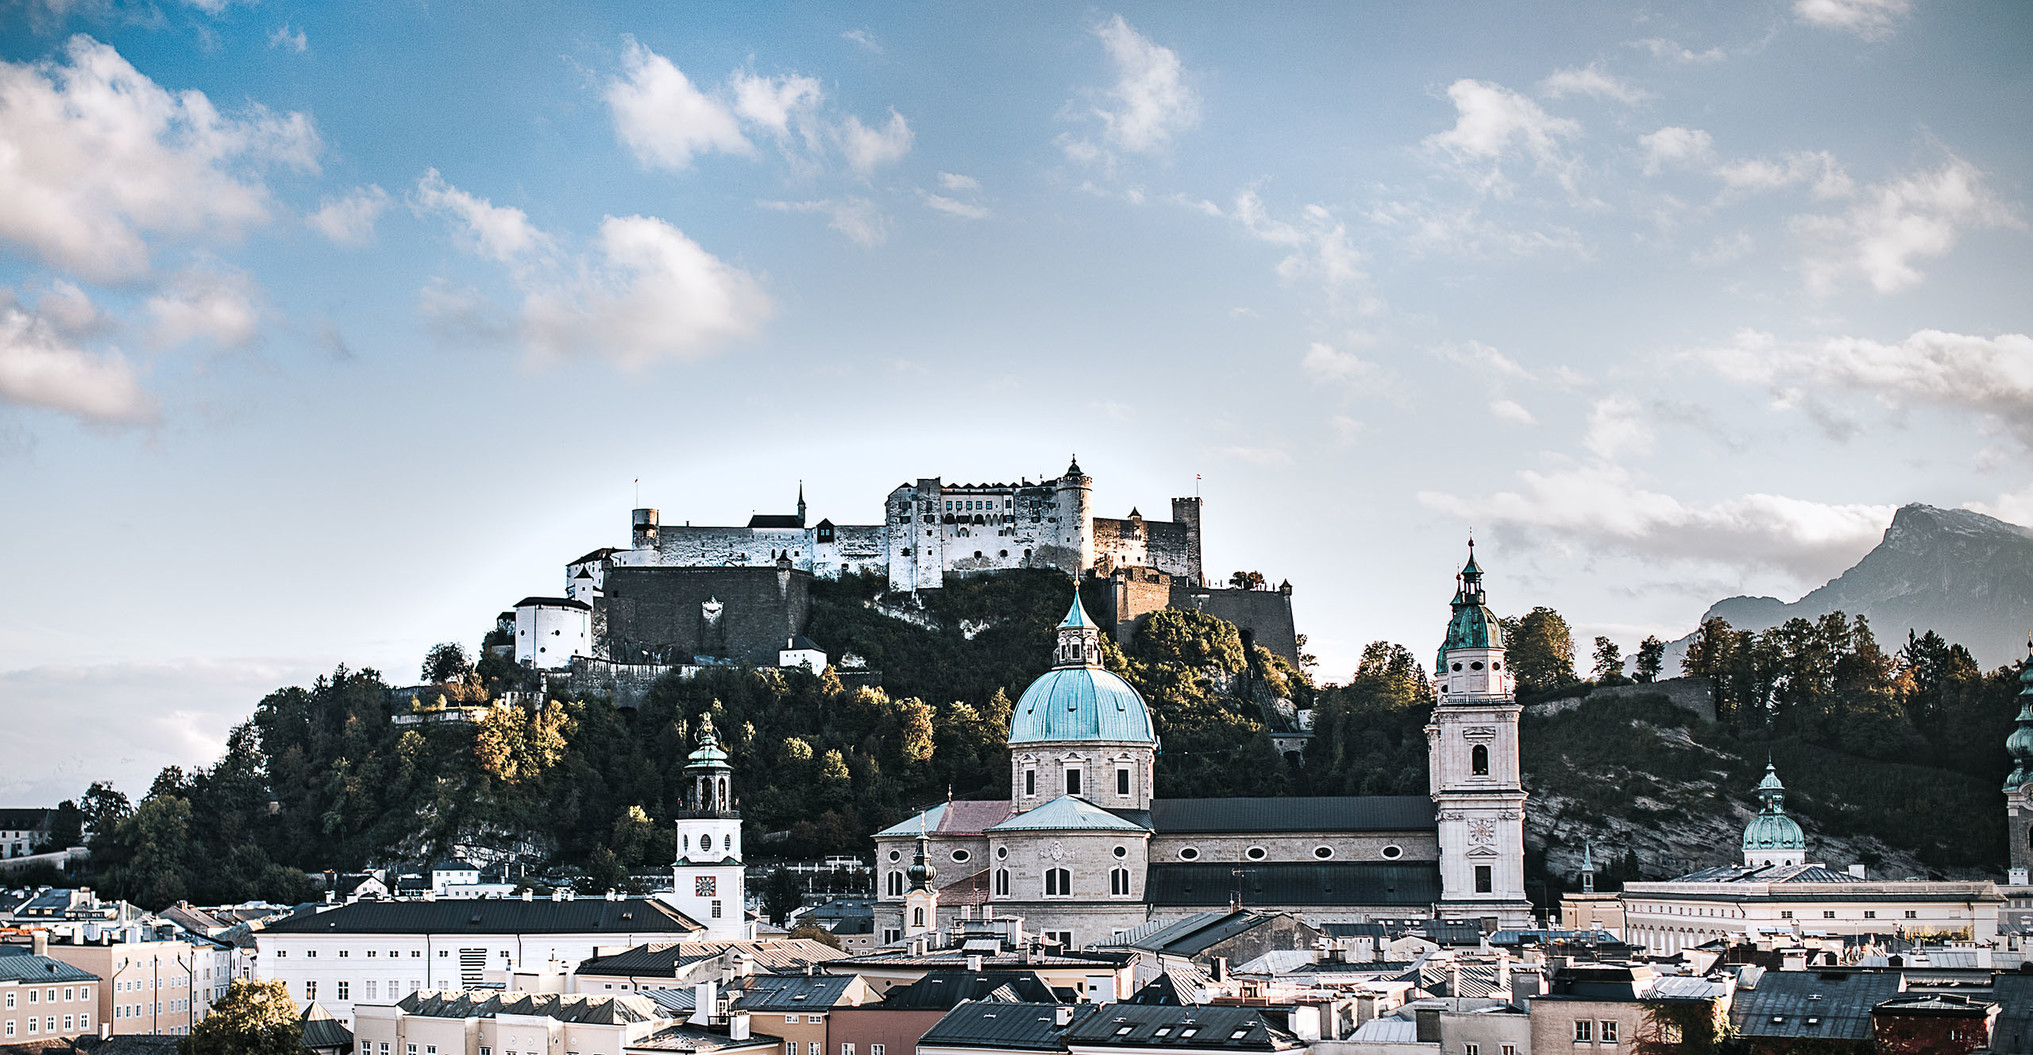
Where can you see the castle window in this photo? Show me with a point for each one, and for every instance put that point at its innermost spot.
(1255, 853)
(1002, 882)
(1478, 760)
(1058, 882)
(1393, 852)
(1189, 853)
(1118, 882)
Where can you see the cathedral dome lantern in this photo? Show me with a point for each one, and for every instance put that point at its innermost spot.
(1078, 700)
(1772, 838)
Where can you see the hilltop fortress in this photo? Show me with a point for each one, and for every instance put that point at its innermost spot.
(931, 530)
(682, 595)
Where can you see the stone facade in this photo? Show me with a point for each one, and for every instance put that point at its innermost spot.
(1263, 617)
(678, 615)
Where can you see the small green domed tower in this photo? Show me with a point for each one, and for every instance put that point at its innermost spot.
(1772, 838)
(2019, 783)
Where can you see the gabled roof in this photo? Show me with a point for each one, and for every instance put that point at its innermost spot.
(1294, 883)
(987, 1024)
(962, 816)
(600, 1009)
(31, 968)
(1833, 1004)
(1330, 813)
(33, 818)
(669, 959)
(1068, 813)
(321, 1030)
(1161, 992)
(780, 993)
(1801, 873)
(776, 520)
(493, 916)
(1171, 1026)
(553, 602)
(945, 990)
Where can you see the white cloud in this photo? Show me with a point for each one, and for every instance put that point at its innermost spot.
(1869, 19)
(1511, 411)
(1149, 105)
(857, 218)
(1816, 168)
(1426, 227)
(953, 181)
(349, 220)
(1590, 80)
(1726, 248)
(99, 156)
(1321, 249)
(1989, 376)
(292, 39)
(1493, 122)
(1894, 225)
(663, 118)
(772, 102)
(40, 367)
(1618, 426)
(2013, 507)
(67, 308)
(498, 231)
(218, 306)
(1601, 507)
(1671, 51)
(652, 294)
(955, 207)
(1324, 362)
(1485, 359)
(864, 38)
(1680, 146)
(868, 149)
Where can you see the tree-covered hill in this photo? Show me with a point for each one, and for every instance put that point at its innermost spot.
(320, 779)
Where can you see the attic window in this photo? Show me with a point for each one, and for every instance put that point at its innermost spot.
(1163, 1031)
(1188, 1031)
(1239, 1034)
(1124, 1031)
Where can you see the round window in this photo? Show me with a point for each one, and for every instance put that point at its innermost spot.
(1494, 665)
(1392, 853)
(1001, 852)
(1457, 666)
(1323, 852)
(896, 855)
(1122, 851)
(1477, 665)
(1189, 853)
(1254, 853)
(961, 855)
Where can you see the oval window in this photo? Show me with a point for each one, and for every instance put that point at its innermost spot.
(1189, 853)
(1494, 665)
(1001, 852)
(1393, 852)
(896, 855)
(1323, 852)
(1477, 665)
(961, 855)
(1457, 666)
(1122, 851)
(1255, 853)
(705, 842)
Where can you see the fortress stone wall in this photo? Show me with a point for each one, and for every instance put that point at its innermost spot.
(676, 616)
(1263, 616)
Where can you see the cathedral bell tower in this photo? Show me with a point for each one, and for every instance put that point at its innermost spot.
(711, 881)
(2019, 783)
(1472, 752)
(921, 902)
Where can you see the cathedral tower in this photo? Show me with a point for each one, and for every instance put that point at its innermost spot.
(1472, 751)
(2019, 784)
(711, 881)
(921, 902)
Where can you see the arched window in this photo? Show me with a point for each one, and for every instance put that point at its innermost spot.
(1002, 882)
(896, 884)
(918, 916)
(1478, 760)
(1118, 882)
(1058, 882)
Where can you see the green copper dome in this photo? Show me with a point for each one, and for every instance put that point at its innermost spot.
(1771, 829)
(2020, 744)
(1473, 625)
(1078, 700)
(709, 754)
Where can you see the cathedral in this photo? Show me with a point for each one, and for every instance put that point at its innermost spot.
(1084, 849)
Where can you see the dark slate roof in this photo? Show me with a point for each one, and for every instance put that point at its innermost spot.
(984, 1024)
(321, 1030)
(131, 1044)
(31, 819)
(599, 554)
(492, 916)
(602, 1009)
(552, 602)
(780, 993)
(2012, 1034)
(684, 1038)
(1801, 873)
(665, 959)
(28, 967)
(1294, 883)
(776, 520)
(945, 990)
(1337, 813)
(1160, 992)
(841, 908)
(1195, 1028)
(1837, 1001)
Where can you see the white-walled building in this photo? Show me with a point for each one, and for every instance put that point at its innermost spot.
(373, 952)
(514, 1023)
(549, 631)
(709, 880)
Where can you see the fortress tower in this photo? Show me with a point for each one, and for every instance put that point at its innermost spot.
(711, 880)
(1472, 747)
(1076, 517)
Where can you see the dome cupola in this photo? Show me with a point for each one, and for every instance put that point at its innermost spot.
(1471, 661)
(1078, 700)
(1772, 838)
(2020, 744)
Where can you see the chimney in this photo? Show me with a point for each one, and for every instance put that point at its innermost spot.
(974, 962)
(529, 895)
(1857, 871)
(737, 1026)
(1062, 1016)
(703, 997)
(1221, 968)
(39, 943)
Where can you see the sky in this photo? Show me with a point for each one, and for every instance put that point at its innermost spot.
(329, 331)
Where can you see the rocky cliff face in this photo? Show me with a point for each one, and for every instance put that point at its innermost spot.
(1964, 575)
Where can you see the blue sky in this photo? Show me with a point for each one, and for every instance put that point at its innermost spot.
(328, 331)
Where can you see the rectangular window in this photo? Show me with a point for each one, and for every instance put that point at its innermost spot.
(10, 1027)
(1509, 1049)
(343, 953)
(813, 1048)
(70, 993)
(1030, 782)
(345, 990)
(846, 1049)
(790, 1020)
(69, 1023)
(310, 990)
(311, 953)
(1483, 883)
(1828, 914)
(411, 1048)
(485, 1050)
(372, 988)
(416, 954)
(1471, 1049)
(1072, 781)
(716, 910)
(1122, 782)
(371, 953)
(875, 1049)
(1911, 914)
(1584, 1032)
(1870, 914)
(10, 1001)
(281, 953)
(1609, 1032)
(815, 1019)
(1785, 913)
(84, 992)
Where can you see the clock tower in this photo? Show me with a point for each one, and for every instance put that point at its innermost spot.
(1472, 753)
(711, 880)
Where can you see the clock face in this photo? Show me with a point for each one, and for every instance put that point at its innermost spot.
(1482, 831)
(705, 886)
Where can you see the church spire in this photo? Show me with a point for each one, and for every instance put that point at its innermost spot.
(1079, 638)
(801, 503)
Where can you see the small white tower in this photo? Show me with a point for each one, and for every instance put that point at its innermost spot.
(711, 881)
(1472, 752)
(921, 902)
